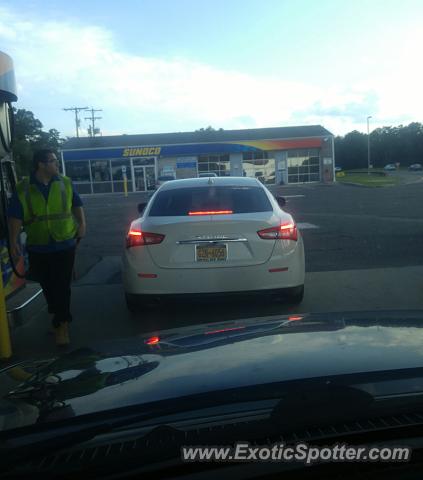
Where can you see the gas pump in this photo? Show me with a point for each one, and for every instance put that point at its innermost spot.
(12, 275)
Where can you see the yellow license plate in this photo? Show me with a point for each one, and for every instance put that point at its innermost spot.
(211, 253)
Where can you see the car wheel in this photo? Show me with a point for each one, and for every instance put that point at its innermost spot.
(294, 295)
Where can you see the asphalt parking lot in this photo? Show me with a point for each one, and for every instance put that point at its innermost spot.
(363, 252)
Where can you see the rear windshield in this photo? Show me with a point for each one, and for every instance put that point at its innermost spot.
(172, 203)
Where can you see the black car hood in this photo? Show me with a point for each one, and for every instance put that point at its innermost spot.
(209, 358)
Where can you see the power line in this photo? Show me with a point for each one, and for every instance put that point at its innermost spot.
(93, 118)
(77, 121)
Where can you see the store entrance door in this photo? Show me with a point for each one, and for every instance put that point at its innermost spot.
(150, 178)
(144, 178)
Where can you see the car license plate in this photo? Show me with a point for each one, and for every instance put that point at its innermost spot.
(211, 253)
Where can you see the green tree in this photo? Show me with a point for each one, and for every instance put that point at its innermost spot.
(351, 150)
(50, 139)
(209, 129)
(29, 136)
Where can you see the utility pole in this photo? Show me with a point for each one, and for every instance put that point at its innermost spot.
(77, 121)
(93, 119)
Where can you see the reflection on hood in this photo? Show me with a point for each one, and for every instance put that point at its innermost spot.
(78, 374)
(213, 358)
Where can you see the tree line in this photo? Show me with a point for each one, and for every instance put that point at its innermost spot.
(402, 144)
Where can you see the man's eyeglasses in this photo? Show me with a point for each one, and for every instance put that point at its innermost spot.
(50, 161)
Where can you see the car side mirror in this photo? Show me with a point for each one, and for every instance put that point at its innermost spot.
(281, 201)
(141, 208)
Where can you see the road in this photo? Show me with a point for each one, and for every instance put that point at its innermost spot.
(363, 252)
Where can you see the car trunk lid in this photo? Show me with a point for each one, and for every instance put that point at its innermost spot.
(211, 241)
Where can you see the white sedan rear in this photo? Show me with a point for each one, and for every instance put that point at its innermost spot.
(213, 236)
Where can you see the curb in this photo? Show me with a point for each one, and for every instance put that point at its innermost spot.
(359, 185)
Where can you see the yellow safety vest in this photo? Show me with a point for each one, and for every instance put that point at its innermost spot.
(46, 220)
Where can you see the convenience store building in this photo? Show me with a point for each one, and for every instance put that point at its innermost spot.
(284, 155)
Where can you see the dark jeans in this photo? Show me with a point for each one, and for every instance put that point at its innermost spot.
(54, 273)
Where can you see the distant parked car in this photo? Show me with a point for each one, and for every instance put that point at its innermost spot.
(338, 169)
(415, 167)
(389, 167)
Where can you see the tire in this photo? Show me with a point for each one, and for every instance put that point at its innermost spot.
(295, 295)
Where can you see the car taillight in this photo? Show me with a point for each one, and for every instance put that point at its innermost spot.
(285, 231)
(137, 238)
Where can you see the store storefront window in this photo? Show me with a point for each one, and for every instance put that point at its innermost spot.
(118, 168)
(144, 161)
(218, 164)
(100, 170)
(303, 166)
(78, 171)
(258, 165)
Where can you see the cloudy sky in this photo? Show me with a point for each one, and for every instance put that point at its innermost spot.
(179, 65)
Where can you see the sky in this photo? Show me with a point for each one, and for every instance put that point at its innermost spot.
(157, 66)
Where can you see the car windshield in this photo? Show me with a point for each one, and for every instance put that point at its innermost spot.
(207, 205)
(180, 202)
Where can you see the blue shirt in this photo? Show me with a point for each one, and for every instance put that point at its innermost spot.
(15, 210)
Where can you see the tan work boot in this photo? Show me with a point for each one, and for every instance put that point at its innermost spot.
(62, 335)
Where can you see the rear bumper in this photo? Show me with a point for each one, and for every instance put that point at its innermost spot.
(209, 281)
(151, 299)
